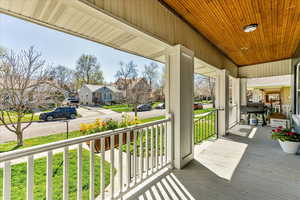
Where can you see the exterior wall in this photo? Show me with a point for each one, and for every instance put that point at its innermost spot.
(277, 68)
(106, 95)
(151, 17)
(294, 62)
(85, 96)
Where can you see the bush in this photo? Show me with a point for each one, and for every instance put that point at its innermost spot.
(106, 125)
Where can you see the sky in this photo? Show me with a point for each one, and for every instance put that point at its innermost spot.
(59, 48)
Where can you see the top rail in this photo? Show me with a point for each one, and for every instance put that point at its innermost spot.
(11, 155)
(205, 114)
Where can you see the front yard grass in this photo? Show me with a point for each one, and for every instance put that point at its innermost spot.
(18, 181)
(26, 118)
(125, 107)
(202, 111)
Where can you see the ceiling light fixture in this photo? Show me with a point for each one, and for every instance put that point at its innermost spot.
(250, 28)
(244, 48)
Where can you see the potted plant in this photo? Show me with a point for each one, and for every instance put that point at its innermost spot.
(287, 138)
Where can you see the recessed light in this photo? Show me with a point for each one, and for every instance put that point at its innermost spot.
(250, 28)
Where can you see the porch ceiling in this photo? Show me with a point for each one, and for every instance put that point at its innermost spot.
(222, 22)
(79, 19)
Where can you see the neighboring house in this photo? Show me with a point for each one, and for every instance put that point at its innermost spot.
(99, 94)
(139, 85)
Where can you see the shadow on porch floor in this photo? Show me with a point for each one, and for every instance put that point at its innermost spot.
(255, 169)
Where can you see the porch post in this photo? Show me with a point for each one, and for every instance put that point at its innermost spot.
(179, 102)
(236, 84)
(243, 91)
(222, 101)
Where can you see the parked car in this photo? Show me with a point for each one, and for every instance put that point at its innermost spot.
(143, 107)
(198, 106)
(60, 112)
(71, 102)
(161, 106)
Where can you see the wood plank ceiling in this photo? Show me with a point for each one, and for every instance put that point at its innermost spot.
(222, 22)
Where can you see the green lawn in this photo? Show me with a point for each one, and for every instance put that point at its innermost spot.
(125, 107)
(19, 177)
(120, 107)
(26, 118)
(201, 111)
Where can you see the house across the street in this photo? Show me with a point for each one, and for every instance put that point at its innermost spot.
(99, 94)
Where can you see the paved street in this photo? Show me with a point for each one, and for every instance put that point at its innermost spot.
(88, 116)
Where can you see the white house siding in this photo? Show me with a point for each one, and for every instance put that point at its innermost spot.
(85, 96)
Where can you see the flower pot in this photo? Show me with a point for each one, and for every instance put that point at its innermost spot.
(289, 147)
(97, 144)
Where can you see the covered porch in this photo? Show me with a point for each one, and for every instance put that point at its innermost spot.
(177, 157)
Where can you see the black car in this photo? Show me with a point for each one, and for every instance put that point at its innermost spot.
(143, 107)
(60, 112)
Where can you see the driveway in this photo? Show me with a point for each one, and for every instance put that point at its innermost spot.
(48, 128)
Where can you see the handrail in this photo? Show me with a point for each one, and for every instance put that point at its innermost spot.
(206, 114)
(11, 155)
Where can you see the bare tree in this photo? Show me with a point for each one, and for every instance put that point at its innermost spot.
(150, 73)
(204, 86)
(24, 86)
(65, 77)
(88, 70)
(125, 75)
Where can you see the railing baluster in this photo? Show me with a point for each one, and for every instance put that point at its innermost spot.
(135, 156)
(156, 147)
(49, 175)
(6, 181)
(121, 163)
(92, 170)
(147, 152)
(112, 160)
(79, 172)
(66, 174)
(30, 177)
(161, 145)
(166, 142)
(141, 154)
(152, 149)
(128, 160)
(102, 173)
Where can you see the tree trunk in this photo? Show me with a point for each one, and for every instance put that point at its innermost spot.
(19, 132)
(19, 139)
(135, 110)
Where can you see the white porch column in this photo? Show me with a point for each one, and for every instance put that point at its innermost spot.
(236, 84)
(179, 102)
(243, 91)
(222, 101)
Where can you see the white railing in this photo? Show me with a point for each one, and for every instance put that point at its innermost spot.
(135, 153)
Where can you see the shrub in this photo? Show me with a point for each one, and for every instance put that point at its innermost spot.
(109, 124)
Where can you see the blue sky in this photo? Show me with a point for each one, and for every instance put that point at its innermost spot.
(61, 48)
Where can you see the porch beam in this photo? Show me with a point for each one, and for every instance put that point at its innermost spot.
(179, 102)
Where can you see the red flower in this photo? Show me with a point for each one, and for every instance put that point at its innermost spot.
(279, 127)
(290, 133)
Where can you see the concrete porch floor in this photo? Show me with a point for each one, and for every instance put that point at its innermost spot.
(238, 167)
